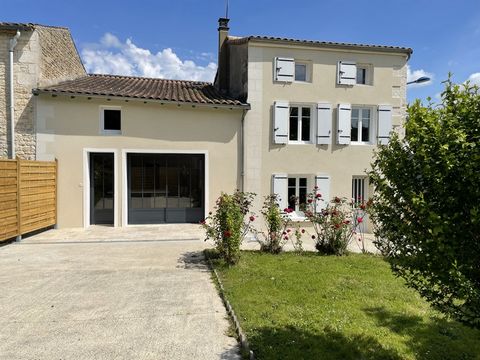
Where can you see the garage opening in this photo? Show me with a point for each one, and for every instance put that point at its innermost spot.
(166, 188)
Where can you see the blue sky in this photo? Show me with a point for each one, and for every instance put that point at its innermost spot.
(178, 39)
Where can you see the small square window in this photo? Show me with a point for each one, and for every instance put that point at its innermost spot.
(112, 120)
(300, 72)
(364, 75)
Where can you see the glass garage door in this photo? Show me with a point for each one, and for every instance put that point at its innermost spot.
(165, 188)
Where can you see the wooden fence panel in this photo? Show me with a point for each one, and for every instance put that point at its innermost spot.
(28, 196)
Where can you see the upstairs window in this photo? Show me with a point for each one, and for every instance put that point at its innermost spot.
(361, 125)
(290, 70)
(364, 75)
(300, 124)
(111, 120)
(300, 71)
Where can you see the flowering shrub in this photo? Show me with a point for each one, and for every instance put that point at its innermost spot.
(227, 226)
(277, 231)
(336, 224)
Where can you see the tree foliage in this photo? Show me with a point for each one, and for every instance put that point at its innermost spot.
(426, 206)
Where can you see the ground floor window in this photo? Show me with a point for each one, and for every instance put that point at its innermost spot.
(297, 193)
(358, 188)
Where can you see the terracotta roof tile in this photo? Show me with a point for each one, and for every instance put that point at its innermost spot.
(179, 91)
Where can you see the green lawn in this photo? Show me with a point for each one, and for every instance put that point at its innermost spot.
(326, 307)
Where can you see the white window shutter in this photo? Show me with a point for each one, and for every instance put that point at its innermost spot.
(346, 73)
(284, 69)
(324, 123)
(344, 123)
(280, 122)
(280, 187)
(384, 124)
(323, 183)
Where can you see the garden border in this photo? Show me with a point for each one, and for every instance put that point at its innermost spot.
(244, 344)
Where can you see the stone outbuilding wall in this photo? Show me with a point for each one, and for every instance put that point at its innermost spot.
(44, 55)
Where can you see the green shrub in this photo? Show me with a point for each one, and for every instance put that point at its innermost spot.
(426, 206)
(227, 226)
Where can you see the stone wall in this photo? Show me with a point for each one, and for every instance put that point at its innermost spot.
(43, 56)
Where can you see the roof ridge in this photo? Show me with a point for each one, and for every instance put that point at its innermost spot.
(150, 78)
(30, 25)
(242, 39)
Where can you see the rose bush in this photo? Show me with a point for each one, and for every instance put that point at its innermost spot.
(336, 223)
(227, 226)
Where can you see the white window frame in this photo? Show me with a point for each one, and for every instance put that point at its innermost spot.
(307, 72)
(372, 130)
(103, 131)
(299, 123)
(368, 74)
(297, 214)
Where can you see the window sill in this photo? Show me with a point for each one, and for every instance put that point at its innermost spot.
(111, 132)
(293, 142)
(358, 143)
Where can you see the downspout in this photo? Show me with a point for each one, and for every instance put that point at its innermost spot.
(242, 152)
(13, 44)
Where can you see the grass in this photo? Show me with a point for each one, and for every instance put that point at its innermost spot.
(324, 307)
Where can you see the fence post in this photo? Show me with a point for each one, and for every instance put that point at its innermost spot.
(19, 205)
(56, 194)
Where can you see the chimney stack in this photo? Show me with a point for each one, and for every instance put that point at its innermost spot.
(221, 80)
(222, 33)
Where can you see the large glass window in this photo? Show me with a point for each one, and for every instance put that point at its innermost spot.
(300, 124)
(361, 125)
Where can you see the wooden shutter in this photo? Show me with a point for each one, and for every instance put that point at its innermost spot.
(346, 73)
(344, 123)
(384, 124)
(280, 122)
(324, 123)
(323, 183)
(284, 69)
(280, 187)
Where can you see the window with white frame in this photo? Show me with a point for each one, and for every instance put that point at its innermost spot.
(300, 124)
(297, 193)
(111, 120)
(362, 125)
(359, 188)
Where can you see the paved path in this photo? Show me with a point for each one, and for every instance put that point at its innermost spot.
(94, 297)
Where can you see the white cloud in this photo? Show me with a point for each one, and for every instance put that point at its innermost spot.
(474, 79)
(111, 56)
(415, 74)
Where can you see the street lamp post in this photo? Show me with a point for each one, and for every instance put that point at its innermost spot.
(419, 80)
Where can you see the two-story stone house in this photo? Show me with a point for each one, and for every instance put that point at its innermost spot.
(283, 116)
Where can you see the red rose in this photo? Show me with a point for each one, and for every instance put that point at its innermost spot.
(315, 187)
(252, 218)
(359, 220)
(227, 234)
(362, 206)
(346, 222)
(284, 233)
(210, 213)
(310, 201)
(303, 231)
(318, 196)
(285, 210)
(337, 226)
(286, 237)
(289, 210)
(337, 199)
(288, 230)
(313, 237)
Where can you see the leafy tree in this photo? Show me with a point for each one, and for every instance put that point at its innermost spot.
(426, 206)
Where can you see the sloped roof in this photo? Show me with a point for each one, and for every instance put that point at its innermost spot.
(178, 91)
(24, 26)
(326, 44)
